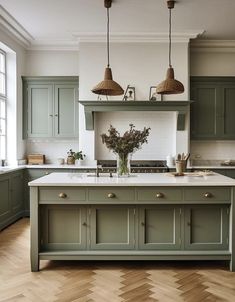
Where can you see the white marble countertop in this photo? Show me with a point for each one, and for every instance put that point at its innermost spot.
(152, 179)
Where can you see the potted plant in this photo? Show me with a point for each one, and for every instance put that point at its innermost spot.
(70, 157)
(79, 157)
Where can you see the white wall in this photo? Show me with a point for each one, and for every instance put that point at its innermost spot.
(141, 65)
(16, 56)
(52, 63)
(214, 63)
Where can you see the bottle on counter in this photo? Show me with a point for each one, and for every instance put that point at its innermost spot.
(170, 160)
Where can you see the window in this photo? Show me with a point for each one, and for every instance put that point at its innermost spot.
(3, 100)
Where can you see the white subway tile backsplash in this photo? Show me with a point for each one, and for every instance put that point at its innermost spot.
(52, 149)
(161, 141)
(213, 150)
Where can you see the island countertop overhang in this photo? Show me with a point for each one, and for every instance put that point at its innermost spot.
(151, 179)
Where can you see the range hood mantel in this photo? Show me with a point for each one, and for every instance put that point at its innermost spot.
(90, 107)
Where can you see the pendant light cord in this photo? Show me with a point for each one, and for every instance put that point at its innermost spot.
(169, 37)
(108, 36)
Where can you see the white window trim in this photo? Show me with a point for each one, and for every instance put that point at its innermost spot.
(3, 98)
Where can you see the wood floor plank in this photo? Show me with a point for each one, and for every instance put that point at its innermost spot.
(74, 281)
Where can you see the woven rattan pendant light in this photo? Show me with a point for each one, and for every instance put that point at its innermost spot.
(170, 85)
(108, 86)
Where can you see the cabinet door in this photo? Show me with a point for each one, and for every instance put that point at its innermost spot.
(66, 111)
(227, 114)
(159, 227)
(17, 185)
(204, 109)
(5, 203)
(112, 227)
(40, 110)
(206, 227)
(63, 227)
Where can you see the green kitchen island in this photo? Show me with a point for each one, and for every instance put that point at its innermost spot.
(143, 217)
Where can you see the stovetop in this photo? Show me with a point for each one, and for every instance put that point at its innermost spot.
(135, 163)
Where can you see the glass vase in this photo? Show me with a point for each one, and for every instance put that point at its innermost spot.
(123, 165)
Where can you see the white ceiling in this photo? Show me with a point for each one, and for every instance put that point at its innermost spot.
(62, 19)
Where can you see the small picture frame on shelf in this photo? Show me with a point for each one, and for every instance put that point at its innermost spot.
(129, 94)
(153, 96)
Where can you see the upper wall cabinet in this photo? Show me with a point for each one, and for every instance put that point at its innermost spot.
(212, 112)
(50, 107)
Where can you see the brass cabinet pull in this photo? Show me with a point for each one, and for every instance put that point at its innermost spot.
(159, 195)
(208, 195)
(62, 195)
(84, 224)
(111, 195)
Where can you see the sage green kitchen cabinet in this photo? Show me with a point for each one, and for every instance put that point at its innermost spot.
(112, 227)
(212, 112)
(50, 107)
(17, 189)
(5, 201)
(159, 227)
(63, 228)
(11, 197)
(206, 227)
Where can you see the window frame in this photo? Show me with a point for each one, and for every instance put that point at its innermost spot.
(3, 98)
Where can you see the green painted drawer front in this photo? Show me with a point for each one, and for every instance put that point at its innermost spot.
(63, 227)
(63, 194)
(35, 173)
(214, 194)
(159, 227)
(230, 173)
(159, 194)
(111, 194)
(207, 227)
(5, 203)
(112, 227)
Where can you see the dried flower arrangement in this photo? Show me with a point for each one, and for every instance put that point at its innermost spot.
(130, 142)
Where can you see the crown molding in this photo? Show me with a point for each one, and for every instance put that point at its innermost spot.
(136, 37)
(53, 44)
(12, 27)
(212, 46)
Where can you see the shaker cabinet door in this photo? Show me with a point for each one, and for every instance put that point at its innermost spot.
(17, 185)
(5, 203)
(206, 227)
(66, 111)
(63, 227)
(112, 227)
(159, 227)
(40, 110)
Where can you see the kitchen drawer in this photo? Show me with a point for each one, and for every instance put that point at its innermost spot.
(207, 194)
(35, 173)
(159, 194)
(62, 194)
(111, 194)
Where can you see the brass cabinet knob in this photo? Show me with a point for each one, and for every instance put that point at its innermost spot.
(62, 195)
(84, 224)
(111, 195)
(159, 195)
(142, 223)
(208, 195)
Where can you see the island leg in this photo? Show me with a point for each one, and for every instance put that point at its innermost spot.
(232, 232)
(34, 229)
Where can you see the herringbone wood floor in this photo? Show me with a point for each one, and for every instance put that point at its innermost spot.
(63, 281)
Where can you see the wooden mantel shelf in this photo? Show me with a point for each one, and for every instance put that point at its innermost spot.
(107, 106)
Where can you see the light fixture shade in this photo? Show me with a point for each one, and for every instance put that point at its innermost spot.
(170, 85)
(108, 86)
